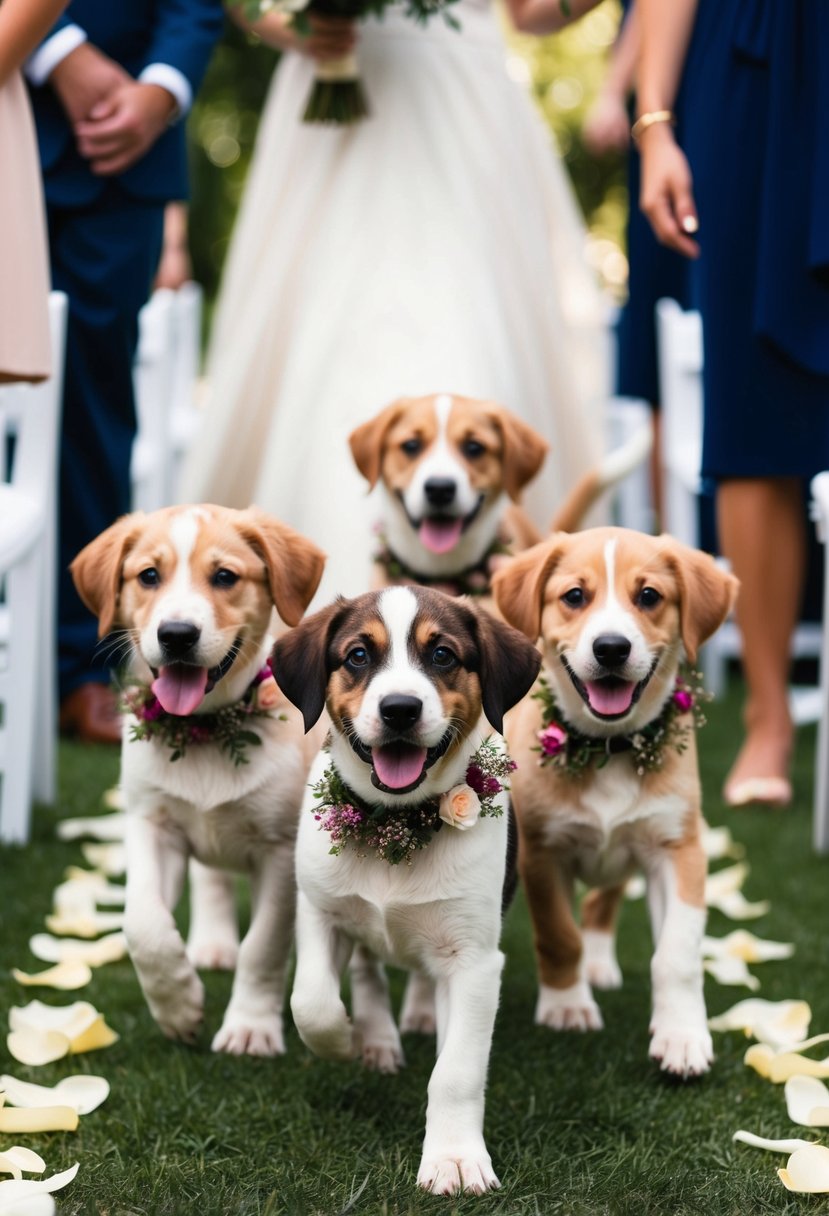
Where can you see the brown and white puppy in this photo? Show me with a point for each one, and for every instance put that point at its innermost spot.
(617, 612)
(193, 590)
(449, 472)
(414, 682)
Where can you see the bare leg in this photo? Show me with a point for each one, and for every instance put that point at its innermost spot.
(762, 534)
(371, 1010)
(213, 940)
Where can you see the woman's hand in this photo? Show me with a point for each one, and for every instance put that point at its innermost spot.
(607, 126)
(328, 37)
(667, 190)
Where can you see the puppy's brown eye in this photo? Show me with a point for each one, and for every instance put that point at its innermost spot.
(443, 657)
(575, 597)
(224, 578)
(648, 597)
(412, 447)
(149, 577)
(358, 657)
(472, 449)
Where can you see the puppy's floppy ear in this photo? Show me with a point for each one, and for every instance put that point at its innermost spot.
(367, 441)
(299, 661)
(706, 593)
(523, 451)
(294, 563)
(508, 666)
(518, 587)
(96, 571)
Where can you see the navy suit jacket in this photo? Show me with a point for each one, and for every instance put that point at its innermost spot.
(135, 33)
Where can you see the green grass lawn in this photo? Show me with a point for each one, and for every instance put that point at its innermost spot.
(575, 1124)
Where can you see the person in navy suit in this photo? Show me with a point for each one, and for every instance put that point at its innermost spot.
(109, 88)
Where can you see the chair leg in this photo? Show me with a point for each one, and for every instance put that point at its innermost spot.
(44, 757)
(24, 588)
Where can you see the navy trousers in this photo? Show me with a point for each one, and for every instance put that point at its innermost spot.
(104, 256)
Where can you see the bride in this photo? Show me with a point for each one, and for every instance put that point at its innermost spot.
(434, 246)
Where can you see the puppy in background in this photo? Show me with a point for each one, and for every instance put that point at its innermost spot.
(402, 842)
(607, 781)
(213, 760)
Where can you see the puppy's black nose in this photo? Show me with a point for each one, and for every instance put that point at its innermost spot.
(611, 649)
(178, 637)
(400, 711)
(439, 491)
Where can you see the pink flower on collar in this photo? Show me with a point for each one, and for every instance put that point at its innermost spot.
(553, 740)
(683, 700)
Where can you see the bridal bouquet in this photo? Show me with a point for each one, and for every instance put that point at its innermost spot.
(337, 95)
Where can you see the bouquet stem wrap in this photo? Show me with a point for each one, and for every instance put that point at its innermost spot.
(337, 95)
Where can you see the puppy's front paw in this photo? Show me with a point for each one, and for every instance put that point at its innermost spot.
(418, 1013)
(567, 1008)
(180, 1012)
(601, 969)
(683, 1051)
(470, 1170)
(325, 1031)
(250, 1036)
(213, 954)
(382, 1055)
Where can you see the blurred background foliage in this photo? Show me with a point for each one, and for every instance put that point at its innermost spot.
(563, 72)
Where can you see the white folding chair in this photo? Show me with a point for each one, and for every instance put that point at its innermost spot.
(186, 416)
(628, 426)
(153, 377)
(29, 427)
(820, 510)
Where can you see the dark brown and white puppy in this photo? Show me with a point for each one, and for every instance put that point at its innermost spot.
(194, 589)
(617, 612)
(414, 682)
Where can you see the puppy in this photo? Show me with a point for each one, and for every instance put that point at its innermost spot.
(213, 759)
(414, 682)
(449, 473)
(617, 613)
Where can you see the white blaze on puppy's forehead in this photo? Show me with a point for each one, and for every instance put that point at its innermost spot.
(184, 531)
(443, 408)
(610, 566)
(398, 608)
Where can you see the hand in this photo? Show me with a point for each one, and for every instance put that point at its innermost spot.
(174, 269)
(666, 196)
(120, 130)
(606, 127)
(85, 79)
(329, 38)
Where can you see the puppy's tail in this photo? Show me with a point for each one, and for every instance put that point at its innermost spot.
(613, 468)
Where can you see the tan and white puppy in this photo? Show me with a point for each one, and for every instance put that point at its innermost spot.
(413, 682)
(193, 590)
(617, 612)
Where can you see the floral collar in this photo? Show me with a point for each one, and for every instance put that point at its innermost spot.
(228, 727)
(474, 580)
(572, 752)
(395, 834)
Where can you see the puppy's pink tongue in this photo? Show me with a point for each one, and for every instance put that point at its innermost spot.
(181, 688)
(440, 535)
(398, 765)
(610, 697)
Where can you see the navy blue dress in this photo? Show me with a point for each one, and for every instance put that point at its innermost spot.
(755, 107)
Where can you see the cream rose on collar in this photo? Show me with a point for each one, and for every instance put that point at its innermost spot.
(460, 807)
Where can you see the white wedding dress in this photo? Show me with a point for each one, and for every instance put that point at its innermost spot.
(434, 246)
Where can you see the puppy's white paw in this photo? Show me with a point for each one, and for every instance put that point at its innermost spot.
(383, 1055)
(601, 969)
(469, 1170)
(250, 1036)
(683, 1051)
(180, 1013)
(213, 955)
(568, 1008)
(327, 1032)
(418, 1013)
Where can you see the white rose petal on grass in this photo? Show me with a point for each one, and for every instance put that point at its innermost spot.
(14, 1192)
(110, 859)
(771, 1146)
(723, 891)
(807, 1171)
(83, 1092)
(84, 924)
(15, 1120)
(719, 843)
(744, 945)
(43, 1033)
(16, 1160)
(778, 1066)
(460, 807)
(66, 976)
(807, 1101)
(84, 890)
(731, 972)
(109, 949)
(778, 1023)
(99, 827)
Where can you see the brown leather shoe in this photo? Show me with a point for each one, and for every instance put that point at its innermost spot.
(90, 714)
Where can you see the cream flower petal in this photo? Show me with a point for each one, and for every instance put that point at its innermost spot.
(735, 906)
(99, 827)
(85, 891)
(36, 1047)
(107, 949)
(89, 924)
(807, 1172)
(778, 1066)
(65, 976)
(807, 1101)
(14, 1190)
(16, 1159)
(71, 1020)
(731, 972)
(16, 1119)
(31, 1205)
(113, 798)
(94, 1037)
(778, 1023)
(759, 1057)
(42, 1033)
(636, 887)
(82, 1091)
(771, 1146)
(111, 859)
(744, 945)
(719, 843)
(721, 882)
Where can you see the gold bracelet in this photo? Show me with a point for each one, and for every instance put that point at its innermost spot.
(649, 120)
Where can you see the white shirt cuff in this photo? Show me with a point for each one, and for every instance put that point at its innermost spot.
(40, 65)
(171, 79)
